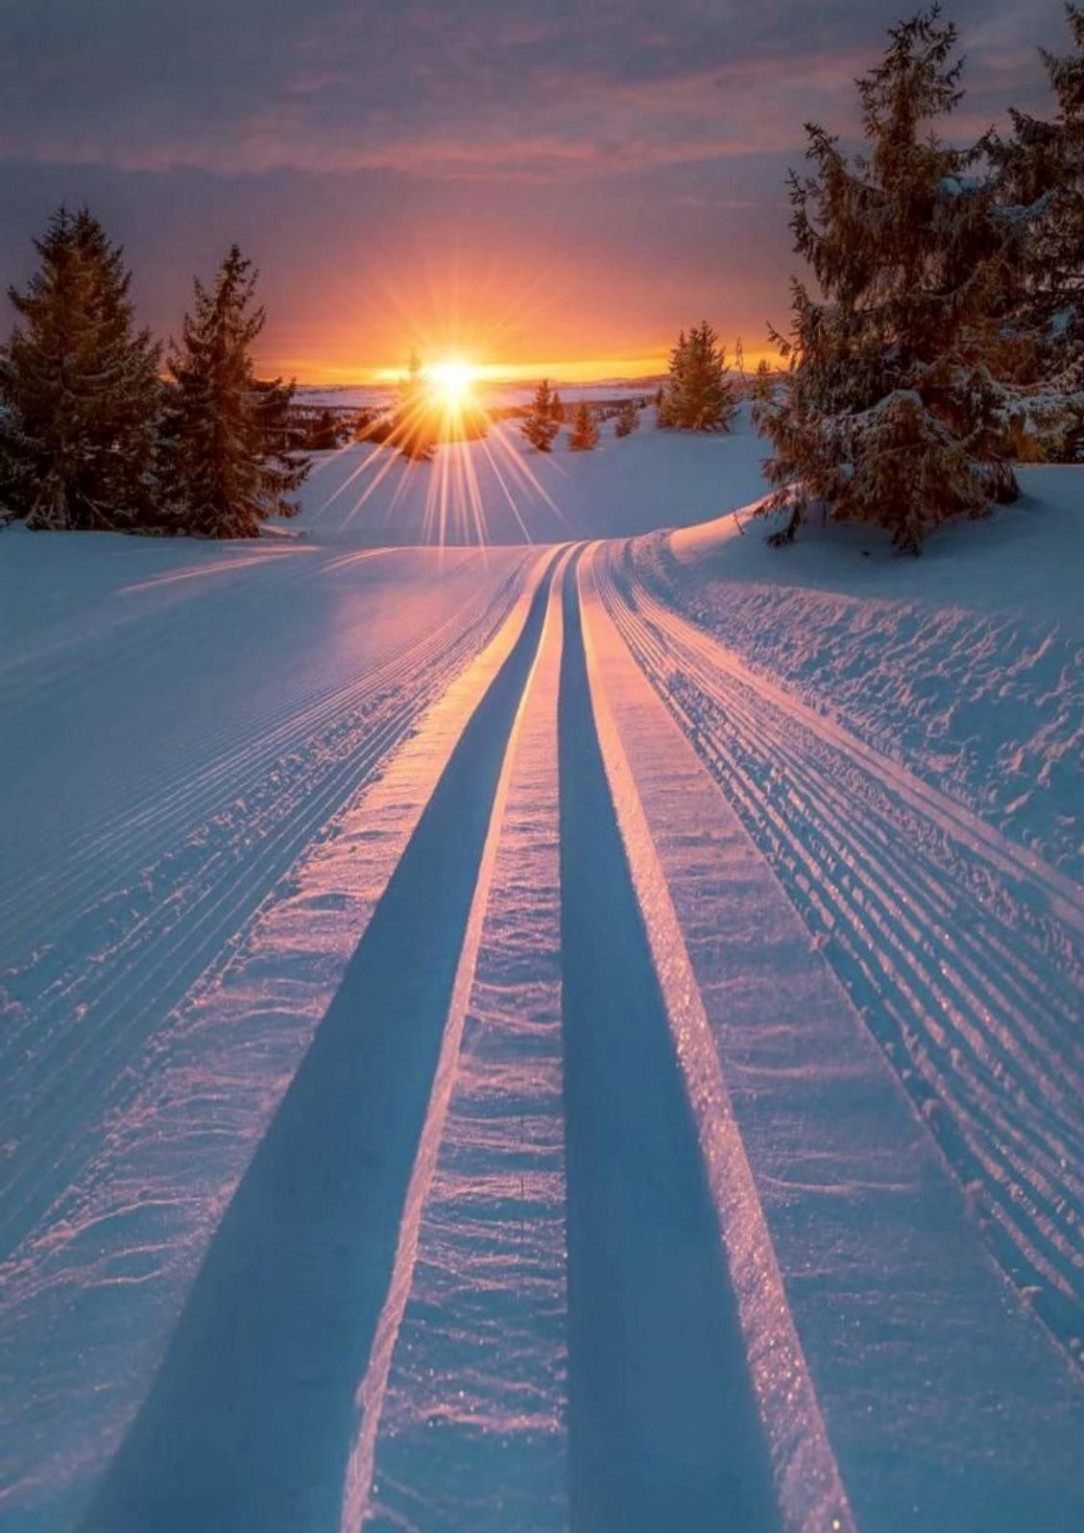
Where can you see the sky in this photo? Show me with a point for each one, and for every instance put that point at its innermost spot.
(541, 187)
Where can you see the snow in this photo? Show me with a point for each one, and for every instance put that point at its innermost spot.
(968, 663)
(157, 995)
(497, 491)
(849, 1195)
(253, 1407)
(773, 1370)
(497, 394)
(470, 1418)
(511, 1035)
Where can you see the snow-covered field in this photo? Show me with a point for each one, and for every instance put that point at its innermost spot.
(581, 1031)
(495, 394)
(493, 492)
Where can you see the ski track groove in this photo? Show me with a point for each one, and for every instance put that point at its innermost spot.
(268, 1429)
(372, 1390)
(263, 759)
(809, 1495)
(472, 1430)
(1002, 1101)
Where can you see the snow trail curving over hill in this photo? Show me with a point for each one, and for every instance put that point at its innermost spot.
(491, 1044)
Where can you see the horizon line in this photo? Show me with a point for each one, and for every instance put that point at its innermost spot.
(569, 372)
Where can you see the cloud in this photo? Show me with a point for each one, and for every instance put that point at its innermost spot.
(463, 88)
(621, 161)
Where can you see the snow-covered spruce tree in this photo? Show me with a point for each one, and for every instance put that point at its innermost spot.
(890, 413)
(1040, 168)
(228, 440)
(557, 409)
(698, 394)
(628, 418)
(584, 435)
(79, 390)
(662, 408)
(542, 424)
(666, 397)
(669, 392)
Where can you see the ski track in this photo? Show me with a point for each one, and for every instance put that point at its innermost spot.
(91, 1297)
(212, 848)
(962, 951)
(808, 1487)
(463, 1401)
(884, 1271)
(663, 1421)
(384, 1081)
(250, 1421)
(241, 750)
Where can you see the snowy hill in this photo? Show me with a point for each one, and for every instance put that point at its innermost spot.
(498, 491)
(440, 980)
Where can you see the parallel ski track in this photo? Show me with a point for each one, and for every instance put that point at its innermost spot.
(372, 1391)
(683, 1412)
(299, 773)
(252, 1418)
(970, 983)
(963, 959)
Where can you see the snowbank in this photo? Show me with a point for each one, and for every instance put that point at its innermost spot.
(968, 663)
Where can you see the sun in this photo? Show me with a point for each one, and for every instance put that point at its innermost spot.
(452, 380)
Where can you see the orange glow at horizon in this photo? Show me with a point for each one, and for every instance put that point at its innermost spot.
(443, 418)
(516, 315)
(312, 373)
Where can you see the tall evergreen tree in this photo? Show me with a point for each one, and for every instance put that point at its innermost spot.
(628, 418)
(698, 394)
(665, 399)
(584, 435)
(764, 381)
(541, 425)
(325, 432)
(891, 413)
(79, 390)
(1043, 163)
(662, 407)
(228, 438)
(1040, 170)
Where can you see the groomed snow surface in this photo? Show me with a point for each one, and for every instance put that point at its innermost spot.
(578, 1032)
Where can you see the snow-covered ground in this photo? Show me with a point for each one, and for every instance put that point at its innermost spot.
(493, 491)
(968, 663)
(560, 1033)
(496, 394)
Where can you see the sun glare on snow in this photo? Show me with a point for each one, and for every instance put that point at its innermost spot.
(440, 419)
